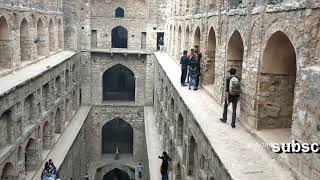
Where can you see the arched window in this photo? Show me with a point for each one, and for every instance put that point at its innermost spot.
(116, 174)
(46, 136)
(31, 155)
(60, 35)
(117, 133)
(51, 36)
(118, 84)
(8, 171)
(119, 13)
(196, 38)
(41, 38)
(119, 37)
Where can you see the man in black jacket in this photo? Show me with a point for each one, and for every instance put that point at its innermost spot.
(184, 68)
(164, 166)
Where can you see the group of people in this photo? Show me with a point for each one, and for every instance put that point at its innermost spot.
(50, 171)
(190, 68)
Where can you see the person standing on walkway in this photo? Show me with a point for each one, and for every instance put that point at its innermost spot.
(161, 44)
(116, 152)
(164, 166)
(199, 57)
(184, 67)
(140, 169)
(232, 96)
(193, 71)
(86, 177)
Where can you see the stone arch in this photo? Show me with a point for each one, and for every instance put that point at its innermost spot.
(116, 174)
(211, 178)
(51, 36)
(67, 78)
(5, 57)
(277, 79)
(119, 13)
(60, 34)
(180, 127)
(41, 39)
(171, 110)
(119, 37)
(192, 156)
(178, 172)
(117, 132)
(8, 171)
(196, 37)
(118, 83)
(209, 77)
(46, 96)
(58, 85)
(67, 111)
(173, 48)
(31, 155)
(6, 126)
(179, 44)
(46, 139)
(20, 154)
(186, 38)
(235, 53)
(28, 110)
(58, 121)
(25, 44)
(74, 102)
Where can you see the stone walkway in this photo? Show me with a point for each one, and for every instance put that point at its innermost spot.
(238, 150)
(153, 142)
(19, 77)
(63, 145)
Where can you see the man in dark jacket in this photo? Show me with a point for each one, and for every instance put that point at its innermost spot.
(164, 166)
(193, 71)
(184, 68)
(199, 57)
(230, 99)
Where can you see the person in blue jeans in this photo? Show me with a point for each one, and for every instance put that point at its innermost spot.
(164, 166)
(193, 71)
(184, 67)
(230, 99)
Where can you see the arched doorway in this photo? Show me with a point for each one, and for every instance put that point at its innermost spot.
(119, 12)
(196, 38)
(31, 155)
(60, 34)
(235, 53)
(46, 136)
(186, 39)
(5, 59)
(51, 36)
(25, 41)
(41, 43)
(8, 172)
(180, 130)
(118, 84)
(209, 75)
(58, 121)
(178, 172)
(119, 37)
(277, 79)
(116, 174)
(192, 156)
(117, 132)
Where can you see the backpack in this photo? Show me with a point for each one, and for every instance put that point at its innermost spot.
(234, 86)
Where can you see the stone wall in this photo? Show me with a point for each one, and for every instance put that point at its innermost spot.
(31, 129)
(177, 127)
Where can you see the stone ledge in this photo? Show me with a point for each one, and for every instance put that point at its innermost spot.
(29, 73)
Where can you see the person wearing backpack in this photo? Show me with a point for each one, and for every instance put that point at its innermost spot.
(232, 96)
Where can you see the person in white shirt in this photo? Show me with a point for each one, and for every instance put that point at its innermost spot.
(140, 169)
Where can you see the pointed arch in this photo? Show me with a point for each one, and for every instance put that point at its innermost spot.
(60, 34)
(58, 121)
(25, 44)
(235, 53)
(196, 37)
(118, 83)
(179, 134)
(209, 74)
(119, 12)
(41, 37)
(116, 174)
(8, 171)
(31, 155)
(46, 139)
(5, 57)
(186, 38)
(277, 79)
(117, 132)
(119, 37)
(51, 36)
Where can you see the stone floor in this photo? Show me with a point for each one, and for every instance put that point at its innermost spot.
(238, 150)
